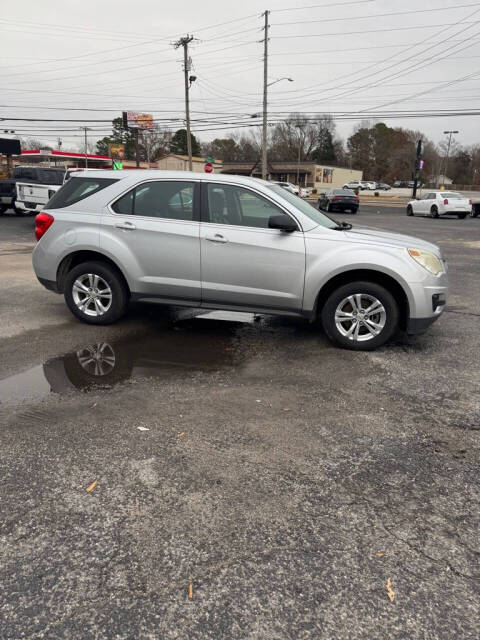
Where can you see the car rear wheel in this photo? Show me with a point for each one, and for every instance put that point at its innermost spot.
(409, 210)
(360, 316)
(3, 208)
(461, 216)
(355, 209)
(434, 212)
(96, 293)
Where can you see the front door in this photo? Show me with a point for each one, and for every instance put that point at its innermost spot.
(244, 263)
(153, 231)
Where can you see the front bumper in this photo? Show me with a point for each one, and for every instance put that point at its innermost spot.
(427, 302)
(416, 326)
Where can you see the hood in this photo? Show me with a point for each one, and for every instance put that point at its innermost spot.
(377, 236)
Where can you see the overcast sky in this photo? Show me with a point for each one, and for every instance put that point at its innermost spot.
(344, 57)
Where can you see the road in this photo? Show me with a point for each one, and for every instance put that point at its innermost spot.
(243, 461)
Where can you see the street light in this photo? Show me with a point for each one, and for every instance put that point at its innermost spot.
(449, 133)
(265, 111)
(279, 80)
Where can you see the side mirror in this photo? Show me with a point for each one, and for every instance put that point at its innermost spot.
(282, 222)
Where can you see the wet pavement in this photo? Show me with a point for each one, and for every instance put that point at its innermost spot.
(294, 490)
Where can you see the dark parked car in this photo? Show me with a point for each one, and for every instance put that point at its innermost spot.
(383, 186)
(339, 200)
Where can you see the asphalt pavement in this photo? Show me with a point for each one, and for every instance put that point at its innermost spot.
(222, 476)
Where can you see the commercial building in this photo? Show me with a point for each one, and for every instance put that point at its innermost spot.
(310, 174)
(176, 162)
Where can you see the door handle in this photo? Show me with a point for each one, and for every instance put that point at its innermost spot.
(128, 226)
(216, 238)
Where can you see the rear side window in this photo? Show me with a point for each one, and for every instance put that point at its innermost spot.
(77, 189)
(159, 199)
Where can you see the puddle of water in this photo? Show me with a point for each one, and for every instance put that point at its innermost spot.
(188, 346)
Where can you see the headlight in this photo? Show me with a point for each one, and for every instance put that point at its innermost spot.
(429, 261)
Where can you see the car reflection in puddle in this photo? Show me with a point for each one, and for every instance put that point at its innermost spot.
(209, 341)
(205, 346)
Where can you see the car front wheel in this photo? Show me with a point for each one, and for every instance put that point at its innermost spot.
(360, 316)
(96, 293)
(409, 210)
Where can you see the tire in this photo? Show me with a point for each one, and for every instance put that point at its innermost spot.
(3, 208)
(434, 212)
(461, 216)
(97, 309)
(339, 301)
(355, 209)
(409, 210)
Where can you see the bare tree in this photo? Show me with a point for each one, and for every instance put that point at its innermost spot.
(154, 143)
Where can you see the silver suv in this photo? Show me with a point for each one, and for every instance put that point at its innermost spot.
(231, 242)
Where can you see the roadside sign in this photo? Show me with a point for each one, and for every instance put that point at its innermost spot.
(209, 159)
(420, 166)
(117, 151)
(117, 165)
(208, 167)
(137, 120)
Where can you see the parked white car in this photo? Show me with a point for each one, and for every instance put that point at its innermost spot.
(32, 197)
(370, 185)
(440, 203)
(288, 186)
(353, 184)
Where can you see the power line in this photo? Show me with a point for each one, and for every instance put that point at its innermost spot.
(349, 33)
(376, 15)
(322, 6)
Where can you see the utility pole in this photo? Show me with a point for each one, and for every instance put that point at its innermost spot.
(137, 159)
(300, 144)
(265, 88)
(418, 166)
(449, 133)
(85, 129)
(183, 42)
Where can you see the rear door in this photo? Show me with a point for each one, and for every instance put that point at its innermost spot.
(244, 263)
(154, 231)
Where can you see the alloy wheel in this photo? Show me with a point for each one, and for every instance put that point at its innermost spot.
(92, 294)
(360, 317)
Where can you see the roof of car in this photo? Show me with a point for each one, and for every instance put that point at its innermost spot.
(160, 174)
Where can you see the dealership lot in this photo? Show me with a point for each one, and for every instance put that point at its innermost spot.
(252, 481)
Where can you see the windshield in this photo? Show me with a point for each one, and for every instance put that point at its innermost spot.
(307, 209)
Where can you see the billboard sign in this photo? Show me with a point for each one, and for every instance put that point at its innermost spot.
(117, 151)
(136, 120)
(10, 147)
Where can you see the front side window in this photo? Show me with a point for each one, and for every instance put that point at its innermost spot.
(302, 205)
(233, 205)
(158, 199)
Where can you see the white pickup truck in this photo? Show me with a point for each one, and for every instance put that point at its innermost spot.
(32, 196)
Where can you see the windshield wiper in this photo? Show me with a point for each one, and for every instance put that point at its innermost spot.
(342, 226)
